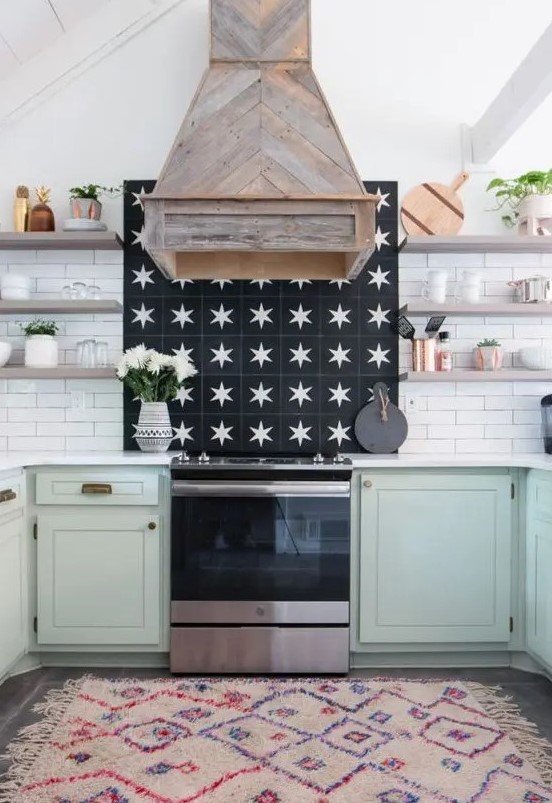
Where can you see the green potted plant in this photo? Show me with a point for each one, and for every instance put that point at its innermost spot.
(85, 200)
(155, 379)
(527, 201)
(41, 347)
(488, 355)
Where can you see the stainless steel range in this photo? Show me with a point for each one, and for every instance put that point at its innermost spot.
(260, 550)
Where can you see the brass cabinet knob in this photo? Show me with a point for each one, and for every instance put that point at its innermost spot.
(367, 483)
(152, 525)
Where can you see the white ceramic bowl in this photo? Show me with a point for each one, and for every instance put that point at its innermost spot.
(15, 293)
(15, 280)
(536, 358)
(5, 352)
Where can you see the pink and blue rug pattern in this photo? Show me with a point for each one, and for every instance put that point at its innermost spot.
(274, 741)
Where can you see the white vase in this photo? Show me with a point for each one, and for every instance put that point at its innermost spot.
(154, 432)
(41, 351)
(535, 215)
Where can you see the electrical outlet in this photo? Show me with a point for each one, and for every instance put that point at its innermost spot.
(78, 400)
(411, 404)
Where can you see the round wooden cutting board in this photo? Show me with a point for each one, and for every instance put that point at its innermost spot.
(434, 208)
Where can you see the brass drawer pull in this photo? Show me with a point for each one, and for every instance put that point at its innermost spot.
(96, 488)
(367, 483)
(7, 496)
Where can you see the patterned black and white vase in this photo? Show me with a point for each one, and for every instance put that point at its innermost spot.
(154, 432)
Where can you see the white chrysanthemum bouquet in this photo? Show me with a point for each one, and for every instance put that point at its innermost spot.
(154, 377)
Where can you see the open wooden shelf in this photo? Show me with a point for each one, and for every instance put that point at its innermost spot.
(477, 243)
(504, 375)
(60, 241)
(60, 306)
(478, 310)
(59, 372)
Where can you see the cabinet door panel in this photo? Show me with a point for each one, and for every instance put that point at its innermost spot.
(98, 579)
(12, 605)
(539, 636)
(435, 559)
(539, 566)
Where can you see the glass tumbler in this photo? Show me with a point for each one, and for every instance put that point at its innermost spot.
(88, 354)
(93, 292)
(101, 354)
(79, 288)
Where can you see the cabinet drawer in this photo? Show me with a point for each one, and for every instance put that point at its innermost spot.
(11, 493)
(99, 488)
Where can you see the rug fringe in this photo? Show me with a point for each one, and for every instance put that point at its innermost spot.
(523, 733)
(23, 751)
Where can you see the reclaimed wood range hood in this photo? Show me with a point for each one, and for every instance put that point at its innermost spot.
(259, 183)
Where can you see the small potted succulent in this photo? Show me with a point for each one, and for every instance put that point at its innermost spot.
(85, 200)
(488, 355)
(155, 379)
(528, 199)
(41, 347)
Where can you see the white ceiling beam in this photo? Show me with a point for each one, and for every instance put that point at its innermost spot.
(530, 84)
(75, 52)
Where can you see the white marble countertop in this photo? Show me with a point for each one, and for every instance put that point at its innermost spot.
(10, 461)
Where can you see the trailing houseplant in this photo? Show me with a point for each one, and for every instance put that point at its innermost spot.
(528, 196)
(488, 355)
(41, 347)
(155, 379)
(85, 200)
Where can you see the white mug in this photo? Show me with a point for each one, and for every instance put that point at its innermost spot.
(467, 293)
(437, 278)
(435, 293)
(470, 277)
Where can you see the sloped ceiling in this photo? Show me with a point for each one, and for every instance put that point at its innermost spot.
(29, 26)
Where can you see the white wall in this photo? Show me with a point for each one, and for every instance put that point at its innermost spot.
(400, 77)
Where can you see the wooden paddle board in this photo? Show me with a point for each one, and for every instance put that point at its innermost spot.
(433, 208)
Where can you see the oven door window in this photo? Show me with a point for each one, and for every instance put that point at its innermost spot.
(269, 548)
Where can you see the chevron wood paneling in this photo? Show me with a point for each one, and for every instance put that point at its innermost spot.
(261, 30)
(265, 122)
(260, 131)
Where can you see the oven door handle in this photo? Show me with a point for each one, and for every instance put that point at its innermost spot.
(244, 489)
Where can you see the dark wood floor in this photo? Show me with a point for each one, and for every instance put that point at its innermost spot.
(532, 693)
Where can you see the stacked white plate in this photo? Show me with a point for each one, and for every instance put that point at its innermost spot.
(83, 224)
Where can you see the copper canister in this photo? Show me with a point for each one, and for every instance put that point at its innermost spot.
(424, 351)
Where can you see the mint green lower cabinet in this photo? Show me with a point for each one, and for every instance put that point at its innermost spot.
(13, 639)
(539, 566)
(98, 578)
(435, 558)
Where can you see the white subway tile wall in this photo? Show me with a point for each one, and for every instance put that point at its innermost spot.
(64, 414)
(469, 418)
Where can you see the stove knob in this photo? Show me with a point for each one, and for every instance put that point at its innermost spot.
(339, 458)
(183, 457)
(318, 458)
(203, 457)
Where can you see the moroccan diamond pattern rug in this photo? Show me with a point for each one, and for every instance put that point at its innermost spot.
(277, 741)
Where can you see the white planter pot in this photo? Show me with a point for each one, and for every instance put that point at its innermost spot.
(154, 432)
(41, 351)
(86, 208)
(535, 215)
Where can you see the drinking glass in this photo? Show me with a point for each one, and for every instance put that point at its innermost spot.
(79, 289)
(101, 354)
(93, 292)
(88, 356)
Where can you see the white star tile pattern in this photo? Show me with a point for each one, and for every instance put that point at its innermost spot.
(284, 366)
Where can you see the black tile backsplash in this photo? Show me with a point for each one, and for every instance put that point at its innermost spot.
(284, 366)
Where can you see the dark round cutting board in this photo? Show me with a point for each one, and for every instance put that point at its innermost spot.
(373, 432)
